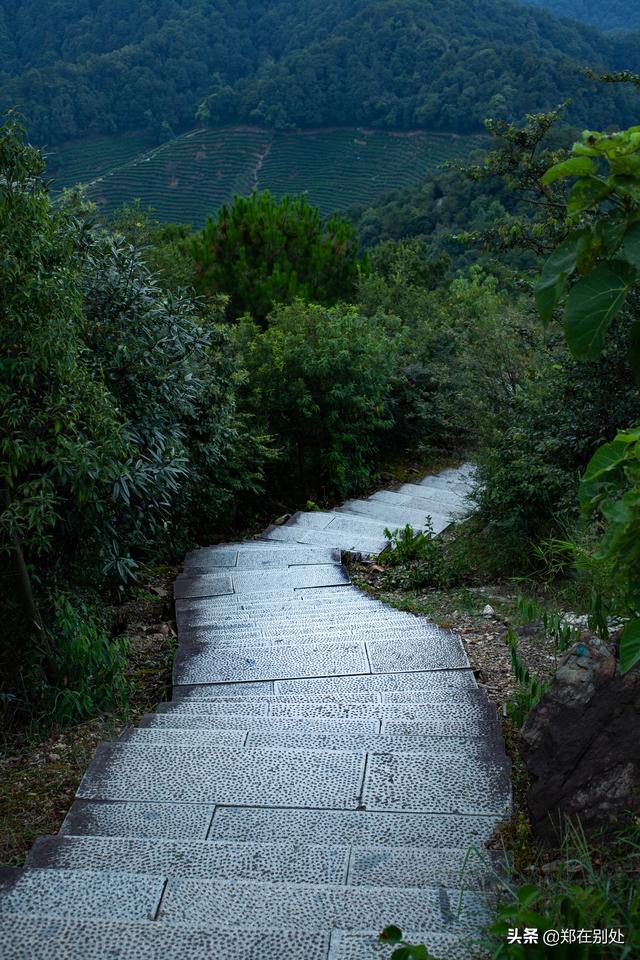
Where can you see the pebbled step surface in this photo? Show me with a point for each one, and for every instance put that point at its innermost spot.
(328, 765)
(57, 938)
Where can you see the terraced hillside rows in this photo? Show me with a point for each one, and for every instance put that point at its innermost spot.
(327, 766)
(189, 178)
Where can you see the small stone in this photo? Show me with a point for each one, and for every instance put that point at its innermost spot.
(488, 611)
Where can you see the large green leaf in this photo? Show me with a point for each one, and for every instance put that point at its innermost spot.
(573, 167)
(555, 274)
(606, 458)
(630, 646)
(593, 303)
(586, 193)
(631, 245)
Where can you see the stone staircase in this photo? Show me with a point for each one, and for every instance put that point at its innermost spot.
(327, 766)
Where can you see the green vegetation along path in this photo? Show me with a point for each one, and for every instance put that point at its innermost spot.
(323, 770)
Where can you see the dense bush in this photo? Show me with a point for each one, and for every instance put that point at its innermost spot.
(121, 437)
(531, 466)
(320, 381)
(261, 252)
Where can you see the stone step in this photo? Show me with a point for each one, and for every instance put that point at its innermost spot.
(479, 746)
(270, 778)
(186, 821)
(435, 694)
(394, 517)
(221, 722)
(259, 581)
(332, 520)
(75, 893)
(274, 556)
(294, 862)
(31, 937)
(282, 705)
(308, 907)
(348, 542)
(382, 683)
(213, 638)
(443, 500)
(307, 624)
(197, 663)
(443, 726)
(443, 509)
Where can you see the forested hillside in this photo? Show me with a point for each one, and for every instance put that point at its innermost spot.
(612, 15)
(77, 68)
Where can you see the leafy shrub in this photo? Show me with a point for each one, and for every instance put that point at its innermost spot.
(83, 667)
(421, 559)
(260, 252)
(531, 465)
(319, 383)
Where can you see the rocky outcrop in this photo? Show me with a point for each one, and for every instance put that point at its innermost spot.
(582, 742)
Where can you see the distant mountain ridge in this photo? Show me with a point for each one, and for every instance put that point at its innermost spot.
(604, 14)
(81, 67)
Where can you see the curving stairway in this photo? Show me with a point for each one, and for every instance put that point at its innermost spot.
(324, 768)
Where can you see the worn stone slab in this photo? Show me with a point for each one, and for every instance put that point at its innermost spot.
(461, 679)
(348, 627)
(437, 783)
(221, 859)
(356, 946)
(445, 500)
(433, 653)
(392, 516)
(200, 721)
(78, 893)
(55, 938)
(442, 509)
(457, 868)
(223, 775)
(471, 707)
(142, 820)
(317, 636)
(480, 745)
(197, 663)
(435, 694)
(207, 586)
(331, 520)
(319, 907)
(390, 683)
(356, 828)
(340, 539)
(270, 557)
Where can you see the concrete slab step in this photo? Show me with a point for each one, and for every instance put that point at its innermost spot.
(468, 727)
(332, 520)
(482, 745)
(276, 556)
(200, 721)
(470, 708)
(180, 821)
(263, 777)
(31, 937)
(288, 862)
(443, 509)
(90, 893)
(283, 704)
(317, 635)
(361, 828)
(339, 539)
(383, 683)
(256, 581)
(320, 908)
(394, 517)
(445, 500)
(196, 663)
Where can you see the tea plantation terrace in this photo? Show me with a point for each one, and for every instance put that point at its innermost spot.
(327, 766)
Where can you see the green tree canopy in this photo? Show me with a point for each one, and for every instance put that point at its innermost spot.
(261, 251)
